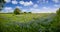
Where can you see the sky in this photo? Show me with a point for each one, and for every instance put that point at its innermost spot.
(34, 6)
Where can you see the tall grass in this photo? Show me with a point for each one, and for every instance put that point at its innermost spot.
(43, 24)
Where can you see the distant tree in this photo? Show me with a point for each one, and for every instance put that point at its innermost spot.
(25, 12)
(58, 11)
(2, 2)
(29, 12)
(17, 11)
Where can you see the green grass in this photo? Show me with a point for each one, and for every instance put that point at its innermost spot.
(26, 22)
(23, 17)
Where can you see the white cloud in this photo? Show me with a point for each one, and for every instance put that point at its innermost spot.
(49, 10)
(43, 10)
(35, 6)
(21, 2)
(24, 10)
(7, 1)
(26, 3)
(33, 10)
(57, 6)
(18, 7)
(8, 9)
(42, 1)
(14, 2)
(45, 7)
(56, 1)
(38, 1)
(45, 1)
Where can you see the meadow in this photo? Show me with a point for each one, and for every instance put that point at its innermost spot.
(35, 22)
(24, 17)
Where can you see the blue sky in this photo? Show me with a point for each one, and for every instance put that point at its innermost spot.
(35, 6)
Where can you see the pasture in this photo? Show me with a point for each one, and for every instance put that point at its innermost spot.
(39, 22)
(24, 17)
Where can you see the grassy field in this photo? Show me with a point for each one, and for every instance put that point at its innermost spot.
(23, 17)
(41, 22)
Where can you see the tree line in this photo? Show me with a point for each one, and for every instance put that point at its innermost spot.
(18, 11)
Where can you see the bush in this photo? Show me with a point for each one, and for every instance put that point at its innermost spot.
(58, 11)
(25, 12)
(17, 11)
(2, 2)
(29, 12)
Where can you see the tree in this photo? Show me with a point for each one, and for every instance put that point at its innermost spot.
(17, 11)
(29, 12)
(2, 2)
(58, 11)
(25, 12)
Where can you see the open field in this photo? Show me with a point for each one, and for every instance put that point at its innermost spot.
(23, 17)
(43, 22)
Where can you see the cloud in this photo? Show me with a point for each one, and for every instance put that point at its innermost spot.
(8, 9)
(24, 10)
(35, 6)
(7, 1)
(38, 1)
(56, 1)
(26, 3)
(43, 10)
(14, 2)
(49, 10)
(57, 6)
(33, 10)
(21, 2)
(45, 7)
(42, 1)
(18, 7)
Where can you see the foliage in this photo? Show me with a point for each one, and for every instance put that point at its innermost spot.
(58, 11)
(17, 11)
(47, 23)
(29, 12)
(55, 24)
(1, 4)
(25, 12)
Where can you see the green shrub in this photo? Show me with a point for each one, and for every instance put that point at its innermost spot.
(25, 12)
(29, 12)
(2, 2)
(17, 11)
(58, 12)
